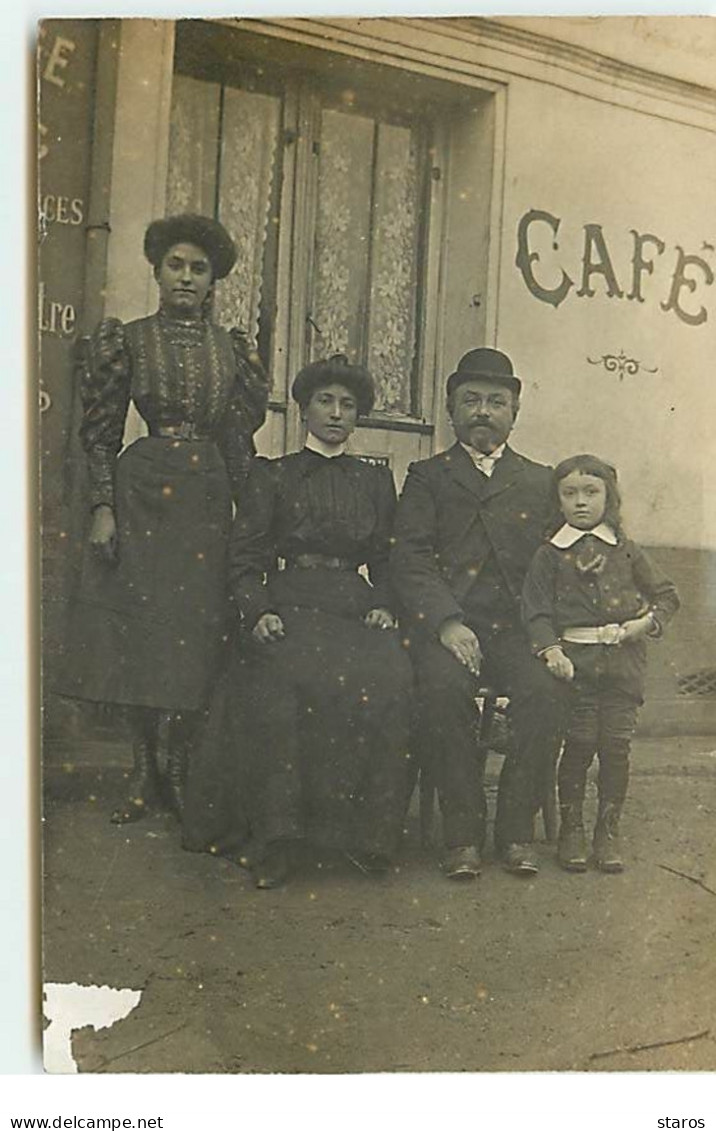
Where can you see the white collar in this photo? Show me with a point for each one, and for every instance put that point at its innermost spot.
(330, 451)
(567, 535)
(476, 456)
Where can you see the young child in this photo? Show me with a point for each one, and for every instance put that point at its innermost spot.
(591, 598)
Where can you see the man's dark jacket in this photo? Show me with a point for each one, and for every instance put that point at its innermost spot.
(463, 541)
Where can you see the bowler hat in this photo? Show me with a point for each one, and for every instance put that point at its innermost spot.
(203, 231)
(484, 364)
(335, 370)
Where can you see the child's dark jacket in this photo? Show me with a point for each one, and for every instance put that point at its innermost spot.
(559, 595)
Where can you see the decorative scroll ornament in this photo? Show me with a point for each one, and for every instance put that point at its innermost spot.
(621, 364)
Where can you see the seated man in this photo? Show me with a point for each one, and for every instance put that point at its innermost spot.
(468, 523)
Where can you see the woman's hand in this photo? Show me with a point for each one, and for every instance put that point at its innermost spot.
(558, 663)
(268, 627)
(634, 629)
(462, 643)
(103, 534)
(380, 618)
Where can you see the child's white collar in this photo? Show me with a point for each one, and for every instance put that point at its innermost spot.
(567, 535)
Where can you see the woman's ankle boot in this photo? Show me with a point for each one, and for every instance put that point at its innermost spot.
(273, 869)
(143, 787)
(177, 769)
(182, 737)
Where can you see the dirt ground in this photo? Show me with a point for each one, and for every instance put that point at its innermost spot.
(342, 973)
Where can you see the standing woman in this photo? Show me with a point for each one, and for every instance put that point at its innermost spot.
(326, 684)
(149, 619)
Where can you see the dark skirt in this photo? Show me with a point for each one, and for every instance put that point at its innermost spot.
(307, 737)
(150, 629)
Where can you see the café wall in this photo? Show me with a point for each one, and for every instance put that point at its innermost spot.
(618, 363)
(622, 175)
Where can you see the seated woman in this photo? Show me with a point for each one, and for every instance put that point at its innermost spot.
(325, 682)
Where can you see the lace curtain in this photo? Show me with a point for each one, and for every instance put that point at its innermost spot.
(366, 250)
(223, 160)
(193, 133)
(224, 150)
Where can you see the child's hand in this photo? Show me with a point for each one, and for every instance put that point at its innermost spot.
(634, 629)
(558, 663)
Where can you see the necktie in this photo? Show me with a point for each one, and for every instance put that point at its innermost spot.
(486, 463)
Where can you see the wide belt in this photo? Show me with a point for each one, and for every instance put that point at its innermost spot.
(318, 561)
(599, 634)
(185, 431)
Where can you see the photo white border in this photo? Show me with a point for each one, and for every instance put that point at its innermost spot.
(553, 1101)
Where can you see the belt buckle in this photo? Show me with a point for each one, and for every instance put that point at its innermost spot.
(610, 634)
(185, 431)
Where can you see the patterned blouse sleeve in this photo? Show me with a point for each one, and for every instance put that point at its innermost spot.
(246, 412)
(104, 373)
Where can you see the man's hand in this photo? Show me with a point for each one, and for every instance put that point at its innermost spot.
(462, 643)
(103, 534)
(380, 618)
(634, 629)
(558, 663)
(268, 628)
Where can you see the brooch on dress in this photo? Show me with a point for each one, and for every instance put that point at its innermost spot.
(593, 564)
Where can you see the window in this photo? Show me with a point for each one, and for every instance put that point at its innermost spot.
(365, 290)
(358, 161)
(225, 161)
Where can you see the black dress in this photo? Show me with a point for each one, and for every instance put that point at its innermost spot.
(318, 721)
(148, 630)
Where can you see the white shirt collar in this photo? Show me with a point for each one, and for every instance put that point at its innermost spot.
(567, 535)
(328, 450)
(484, 461)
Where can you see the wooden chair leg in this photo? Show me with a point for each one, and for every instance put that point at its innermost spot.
(549, 803)
(548, 794)
(489, 707)
(427, 784)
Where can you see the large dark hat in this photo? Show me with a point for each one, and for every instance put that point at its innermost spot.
(208, 234)
(335, 370)
(484, 364)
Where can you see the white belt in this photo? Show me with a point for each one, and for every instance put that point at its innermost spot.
(601, 634)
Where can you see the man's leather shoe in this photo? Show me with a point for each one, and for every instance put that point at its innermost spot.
(462, 862)
(520, 859)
